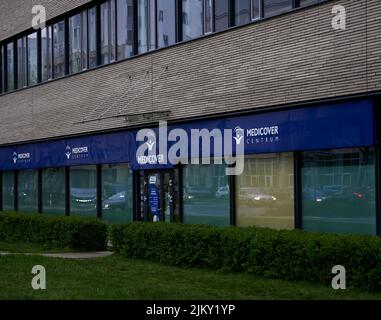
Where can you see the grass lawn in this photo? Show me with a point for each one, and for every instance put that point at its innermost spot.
(118, 278)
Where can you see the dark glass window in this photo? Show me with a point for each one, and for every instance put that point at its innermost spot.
(206, 195)
(242, 11)
(59, 49)
(53, 191)
(146, 25)
(166, 25)
(84, 40)
(21, 63)
(46, 53)
(92, 37)
(208, 16)
(256, 9)
(125, 29)
(83, 191)
(27, 184)
(339, 191)
(192, 19)
(117, 193)
(10, 66)
(108, 32)
(8, 191)
(75, 43)
(32, 59)
(221, 15)
(275, 7)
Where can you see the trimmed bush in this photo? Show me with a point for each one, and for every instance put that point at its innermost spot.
(290, 255)
(55, 232)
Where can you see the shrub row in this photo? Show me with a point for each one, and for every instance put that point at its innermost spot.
(290, 255)
(55, 232)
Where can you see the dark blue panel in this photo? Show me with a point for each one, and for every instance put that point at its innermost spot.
(340, 125)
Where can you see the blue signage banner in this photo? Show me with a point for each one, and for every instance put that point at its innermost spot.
(337, 125)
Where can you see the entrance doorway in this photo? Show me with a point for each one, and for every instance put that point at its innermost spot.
(158, 196)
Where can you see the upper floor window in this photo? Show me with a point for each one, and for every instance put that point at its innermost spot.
(275, 7)
(166, 26)
(146, 25)
(108, 37)
(192, 19)
(256, 9)
(92, 37)
(1, 69)
(242, 11)
(32, 59)
(46, 54)
(59, 49)
(222, 17)
(21, 63)
(208, 16)
(309, 2)
(125, 30)
(10, 62)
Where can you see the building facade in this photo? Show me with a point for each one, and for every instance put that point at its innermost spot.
(302, 97)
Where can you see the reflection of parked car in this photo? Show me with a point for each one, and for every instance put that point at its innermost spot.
(223, 192)
(83, 198)
(117, 202)
(311, 194)
(253, 195)
(196, 192)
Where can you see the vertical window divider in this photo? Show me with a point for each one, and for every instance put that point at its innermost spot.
(99, 191)
(295, 4)
(1, 68)
(377, 123)
(67, 191)
(135, 28)
(181, 191)
(179, 20)
(232, 21)
(298, 190)
(233, 203)
(39, 190)
(39, 56)
(1, 189)
(25, 63)
(15, 191)
(136, 194)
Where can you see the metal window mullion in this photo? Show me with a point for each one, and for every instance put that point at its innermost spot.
(298, 218)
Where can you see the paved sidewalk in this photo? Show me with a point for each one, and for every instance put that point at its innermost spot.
(69, 255)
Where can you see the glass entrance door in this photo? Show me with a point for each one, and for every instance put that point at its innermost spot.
(158, 196)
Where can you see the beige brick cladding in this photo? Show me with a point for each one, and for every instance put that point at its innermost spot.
(292, 58)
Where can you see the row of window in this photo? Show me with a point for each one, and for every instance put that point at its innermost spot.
(116, 192)
(118, 29)
(337, 192)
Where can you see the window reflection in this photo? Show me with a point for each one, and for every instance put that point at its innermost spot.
(83, 191)
(275, 7)
(338, 191)
(166, 25)
(53, 191)
(265, 192)
(59, 49)
(117, 193)
(206, 195)
(27, 190)
(8, 191)
(192, 19)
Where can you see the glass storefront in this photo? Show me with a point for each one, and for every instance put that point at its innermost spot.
(338, 191)
(83, 191)
(53, 191)
(8, 191)
(206, 195)
(265, 192)
(27, 191)
(117, 194)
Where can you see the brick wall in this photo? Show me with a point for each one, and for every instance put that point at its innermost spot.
(291, 58)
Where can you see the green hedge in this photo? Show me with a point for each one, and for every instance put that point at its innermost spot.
(55, 232)
(291, 255)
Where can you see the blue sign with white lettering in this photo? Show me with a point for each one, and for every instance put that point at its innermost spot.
(336, 125)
